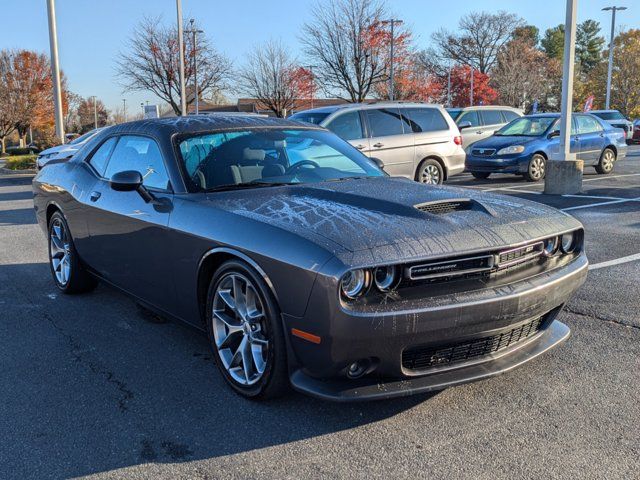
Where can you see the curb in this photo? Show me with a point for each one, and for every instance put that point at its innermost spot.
(6, 171)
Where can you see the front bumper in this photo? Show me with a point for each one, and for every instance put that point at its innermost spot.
(320, 369)
(496, 164)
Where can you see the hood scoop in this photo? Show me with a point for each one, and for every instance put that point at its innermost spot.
(449, 206)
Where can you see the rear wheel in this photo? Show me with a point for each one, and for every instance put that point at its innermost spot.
(245, 331)
(537, 168)
(430, 172)
(607, 160)
(69, 274)
(480, 175)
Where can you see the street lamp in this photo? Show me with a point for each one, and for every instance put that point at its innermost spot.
(610, 70)
(313, 80)
(95, 112)
(142, 108)
(183, 97)
(55, 70)
(392, 22)
(195, 62)
(124, 109)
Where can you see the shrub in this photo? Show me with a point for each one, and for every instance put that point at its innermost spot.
(20, 162)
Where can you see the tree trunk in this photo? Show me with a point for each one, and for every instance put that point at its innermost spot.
(3, 149)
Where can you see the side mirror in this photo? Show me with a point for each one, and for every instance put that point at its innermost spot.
(378, 162)
(555, 133)
(465, 124)
(129, 181)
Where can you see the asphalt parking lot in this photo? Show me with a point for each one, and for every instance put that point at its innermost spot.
(93, 386)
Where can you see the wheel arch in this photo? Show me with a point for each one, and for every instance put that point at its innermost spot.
(51, 209)
(610, 147)
(445, 172)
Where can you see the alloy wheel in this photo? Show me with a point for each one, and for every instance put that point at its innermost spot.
(60, 252)
(537, 167)
(240, 329)
(607, 160)
(430, 175)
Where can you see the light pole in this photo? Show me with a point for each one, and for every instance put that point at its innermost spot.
(392, 22)
(613, 31)
(195, 62)
(124, 109)
(471, 90)
(142, 108)
(55, 69)
(449, 87)
(95, 112)
(313, 81)
(183, 97)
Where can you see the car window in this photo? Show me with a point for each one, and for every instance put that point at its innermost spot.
(100, 157)
(347, 126)
(384, 122)
(491, 117)
(586, 124)
(510, 115)
(143, 155)
(310, 117)
(470, 116)
(425, 119)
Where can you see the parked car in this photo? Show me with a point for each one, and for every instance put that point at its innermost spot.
(524, 145)
(615, 119)
(62, 152)
(323, 273)
(480, 122)
(30, 149)
(414, 140)
(636, 132)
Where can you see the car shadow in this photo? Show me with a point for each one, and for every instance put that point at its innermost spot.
(18, 216)
(111, 386)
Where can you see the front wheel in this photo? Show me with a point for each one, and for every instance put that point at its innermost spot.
(480, 175)
(537, 168)
(245, 332)
(607, 160)
(430, 172)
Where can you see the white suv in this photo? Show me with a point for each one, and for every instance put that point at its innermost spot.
(415, 140)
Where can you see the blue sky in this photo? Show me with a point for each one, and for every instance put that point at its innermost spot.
(91, 32)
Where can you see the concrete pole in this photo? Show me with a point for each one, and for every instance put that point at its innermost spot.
(471, 92)
(391, 84)
(55, 70)
(611, 45)
(183, 96)
(449, 88)
(95, 112)
(567, 81)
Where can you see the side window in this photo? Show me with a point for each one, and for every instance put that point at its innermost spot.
(425, 119)
(491, 117)
(347, 126)
(471, 116)
(100, 157)
(384, 122)
(509, 115)
(587, 124)
(141, 154)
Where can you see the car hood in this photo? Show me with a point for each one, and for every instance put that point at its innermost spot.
(378, 218)
(499, 141)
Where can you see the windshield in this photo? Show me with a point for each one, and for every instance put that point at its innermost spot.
(310, 117)
(454, 112)
(527, 127)
(82, 138)
(609, 115)
(267, 157)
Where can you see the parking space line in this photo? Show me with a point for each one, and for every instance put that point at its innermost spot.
(616, 261)
(604, 177)
(596, 197)
(600, 204)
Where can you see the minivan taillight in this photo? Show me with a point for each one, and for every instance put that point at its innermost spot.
(457, 140)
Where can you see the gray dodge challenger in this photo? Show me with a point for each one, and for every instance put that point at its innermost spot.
(306, 264)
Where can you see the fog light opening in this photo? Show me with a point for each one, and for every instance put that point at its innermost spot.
(359, 368)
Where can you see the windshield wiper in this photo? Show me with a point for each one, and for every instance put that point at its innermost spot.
(251, 184)
(340, 179)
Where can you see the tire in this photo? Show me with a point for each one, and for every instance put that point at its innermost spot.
(607, 161)
(537, 168)
(480, 175)
(68, 272)
(254, 329)
(430, 172)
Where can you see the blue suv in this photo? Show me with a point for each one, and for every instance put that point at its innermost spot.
(524, 145)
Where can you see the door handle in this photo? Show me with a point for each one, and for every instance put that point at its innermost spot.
(94, 196)
(378, 145)
(360, 147)
(480, 132)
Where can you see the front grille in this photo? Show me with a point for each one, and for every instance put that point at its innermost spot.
(483, 152)
(423, 357)
(442, 208)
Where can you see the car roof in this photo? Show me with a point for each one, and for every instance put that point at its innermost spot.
(368, 105)
(193, 124)
(486, 107)
(604, 111)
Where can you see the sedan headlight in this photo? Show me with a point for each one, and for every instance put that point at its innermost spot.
(354, 283)
(511, 150)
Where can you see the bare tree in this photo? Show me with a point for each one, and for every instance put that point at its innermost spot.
(480, 39)
(268, 76)
(338, 42)
(151, 63)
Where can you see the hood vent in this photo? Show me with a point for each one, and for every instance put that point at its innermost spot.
(449, 206)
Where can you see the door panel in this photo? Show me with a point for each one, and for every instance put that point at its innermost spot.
(389, 142)
(475, 132)
(591, 135)
(348, 126)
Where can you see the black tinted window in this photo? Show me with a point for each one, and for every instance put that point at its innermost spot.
(384, 122)
(491, 117)
(509, 115)
(100, 157)
(347, 126)
(141, 154)
(310, 117)
(425, 119)
(471, 116)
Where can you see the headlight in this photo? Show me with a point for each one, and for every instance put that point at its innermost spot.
(511, 150)
(354, 283)
(568, 242)
(551, 246)
(385, 277)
